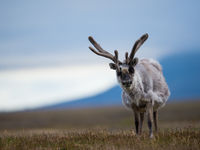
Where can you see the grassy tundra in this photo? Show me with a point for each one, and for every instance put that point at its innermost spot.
(100, 128)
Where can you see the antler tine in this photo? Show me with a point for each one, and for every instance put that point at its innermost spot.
(137, 45)
(103, 54)
(126, 57)
(101, 51)
(116, 56)
(96, 45)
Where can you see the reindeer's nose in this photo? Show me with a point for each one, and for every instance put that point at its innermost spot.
(127, 83)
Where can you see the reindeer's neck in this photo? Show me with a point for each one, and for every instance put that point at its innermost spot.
(136, 86)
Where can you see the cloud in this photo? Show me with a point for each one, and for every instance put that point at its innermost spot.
(29, 88)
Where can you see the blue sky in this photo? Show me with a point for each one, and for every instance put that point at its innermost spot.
(39, 38)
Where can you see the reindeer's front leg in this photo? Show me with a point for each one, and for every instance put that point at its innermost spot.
(141, 122)
(150, 118)
(137, 121)
(137, 118)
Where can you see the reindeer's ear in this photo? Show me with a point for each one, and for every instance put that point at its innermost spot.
(112, 66)
(134, 62)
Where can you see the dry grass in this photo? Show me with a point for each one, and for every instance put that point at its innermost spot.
(100, 128)
(181, 139)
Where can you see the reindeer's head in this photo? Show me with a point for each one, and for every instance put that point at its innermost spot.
(124, 70)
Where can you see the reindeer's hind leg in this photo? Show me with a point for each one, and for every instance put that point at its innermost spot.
(150, 118)
(155, 119)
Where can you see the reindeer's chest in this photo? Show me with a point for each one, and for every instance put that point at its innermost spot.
(136, 101)
(141, 107)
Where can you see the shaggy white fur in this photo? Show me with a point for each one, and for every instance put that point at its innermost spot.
(148, 85)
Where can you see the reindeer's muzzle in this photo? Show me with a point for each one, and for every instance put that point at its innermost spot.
(127, 83)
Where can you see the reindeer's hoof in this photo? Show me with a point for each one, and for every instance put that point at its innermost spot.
(151, 136)
(133, 132)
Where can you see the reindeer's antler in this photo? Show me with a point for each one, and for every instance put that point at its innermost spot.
(137, 45)
(102, 52)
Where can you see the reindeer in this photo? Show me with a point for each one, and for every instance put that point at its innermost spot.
(144, 89)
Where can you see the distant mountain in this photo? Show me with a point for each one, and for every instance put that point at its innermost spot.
(182, 73)
(108, 98)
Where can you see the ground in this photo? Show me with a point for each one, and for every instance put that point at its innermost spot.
(100, 128)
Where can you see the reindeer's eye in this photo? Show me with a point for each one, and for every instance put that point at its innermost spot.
(131, 70)
(119, 73)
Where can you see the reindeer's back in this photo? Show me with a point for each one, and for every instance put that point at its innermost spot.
(152, 78)
(151, 64)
